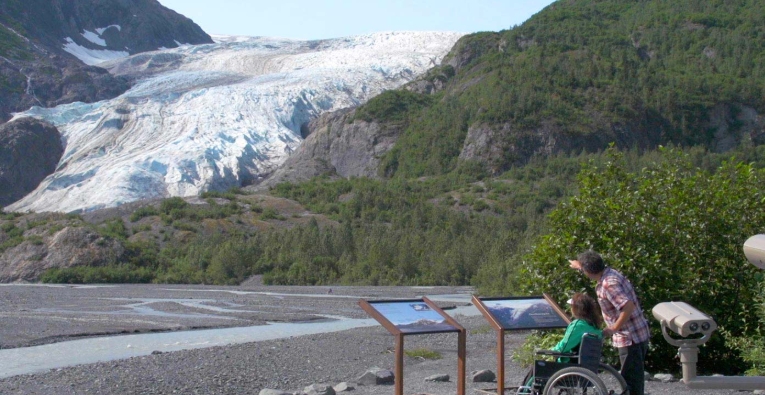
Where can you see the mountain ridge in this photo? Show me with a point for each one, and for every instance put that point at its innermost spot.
(579, 76)
(40, 41)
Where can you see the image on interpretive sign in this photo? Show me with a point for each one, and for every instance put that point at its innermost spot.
(413, 317)
(524, 313)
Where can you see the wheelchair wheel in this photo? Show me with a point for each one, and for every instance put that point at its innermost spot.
(615, 384)
(574, 381)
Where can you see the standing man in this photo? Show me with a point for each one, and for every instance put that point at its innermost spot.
(624, 318)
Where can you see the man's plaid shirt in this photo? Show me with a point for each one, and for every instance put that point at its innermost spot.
(614, 291)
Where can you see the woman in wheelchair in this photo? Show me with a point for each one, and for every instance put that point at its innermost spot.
(587, 319)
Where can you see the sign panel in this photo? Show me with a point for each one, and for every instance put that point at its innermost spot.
(413, 316)
(520, 313)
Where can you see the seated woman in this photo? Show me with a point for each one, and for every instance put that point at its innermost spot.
(587, 319)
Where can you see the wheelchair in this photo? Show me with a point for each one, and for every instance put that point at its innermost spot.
(586, 376)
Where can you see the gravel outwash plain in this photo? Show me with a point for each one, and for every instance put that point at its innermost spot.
(35, 314)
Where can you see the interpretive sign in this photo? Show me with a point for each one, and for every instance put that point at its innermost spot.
(518, 313)
(415, 317)
(525, 313)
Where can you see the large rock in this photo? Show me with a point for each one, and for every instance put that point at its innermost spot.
(270, 391)
(470, 48)
(733, 124)
(439, 378)
(29, 151)
(337, 145)
(376, 376)
(344, 387)
(483, 376)
(45, 249)
(319, 389)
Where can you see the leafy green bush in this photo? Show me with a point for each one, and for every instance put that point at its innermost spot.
(537, 340)
(480, 205)
(392, 105)
(114, 229)
(176, 204)
(15, 236)
(9, 216)
(100, 274)
(181, 225)
(231, 194)
(35, 240)
(141, 228)
(270, 213)
(10, 243)
(752, 348)
(142, 212)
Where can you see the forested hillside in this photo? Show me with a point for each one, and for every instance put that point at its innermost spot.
(582, 74)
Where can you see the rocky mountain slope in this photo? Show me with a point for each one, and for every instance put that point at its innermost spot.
(47, 46)
(29, 151)
(216, 116)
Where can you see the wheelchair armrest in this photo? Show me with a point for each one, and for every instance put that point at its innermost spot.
(557, 354)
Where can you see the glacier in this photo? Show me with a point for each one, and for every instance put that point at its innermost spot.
(216, 116)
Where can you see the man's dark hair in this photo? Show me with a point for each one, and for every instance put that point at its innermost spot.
(591, 262)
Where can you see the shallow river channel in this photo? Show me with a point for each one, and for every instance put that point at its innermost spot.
(25, 360)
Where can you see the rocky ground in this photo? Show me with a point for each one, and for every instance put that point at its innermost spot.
(288, 364)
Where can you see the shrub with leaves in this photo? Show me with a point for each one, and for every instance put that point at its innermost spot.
(752, 348)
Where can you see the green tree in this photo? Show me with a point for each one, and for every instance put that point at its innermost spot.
(674, 230)
(752, 348)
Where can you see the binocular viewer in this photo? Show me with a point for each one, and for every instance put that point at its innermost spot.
(754, 250)
(685, 320)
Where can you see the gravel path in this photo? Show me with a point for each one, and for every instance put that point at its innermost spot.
(294, 363)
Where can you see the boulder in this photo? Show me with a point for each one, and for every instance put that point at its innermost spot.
(376, 376)
(337, 144)
(442, 378)
(269, 391)
(68, 247)
(319, 389)
(664, 377)
(483, 376)
(344, 387)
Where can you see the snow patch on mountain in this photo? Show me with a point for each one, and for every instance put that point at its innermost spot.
(94, 38)
(216, 116)
(92, 56)
(101, 30)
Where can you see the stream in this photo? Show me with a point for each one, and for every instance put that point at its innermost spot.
(28, 360)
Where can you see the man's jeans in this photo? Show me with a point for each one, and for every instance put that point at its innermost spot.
(633, 366)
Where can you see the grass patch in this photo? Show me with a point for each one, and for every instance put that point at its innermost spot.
(423, 353)
(481, 330)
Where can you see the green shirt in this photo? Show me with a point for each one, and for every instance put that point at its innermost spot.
(573, 336)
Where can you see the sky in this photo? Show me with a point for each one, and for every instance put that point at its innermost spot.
(320, 19)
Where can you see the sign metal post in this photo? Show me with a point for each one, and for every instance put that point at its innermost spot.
(416, 317)
(546, 314)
